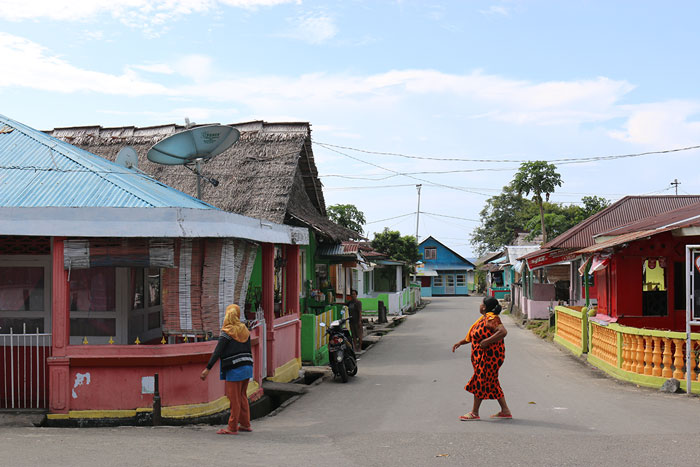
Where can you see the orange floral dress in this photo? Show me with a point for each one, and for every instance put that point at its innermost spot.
(484, 383)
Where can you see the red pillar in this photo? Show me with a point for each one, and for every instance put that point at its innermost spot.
(268, 301)
(59, 384)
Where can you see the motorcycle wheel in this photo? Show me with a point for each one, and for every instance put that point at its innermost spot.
(352, 365)
(343, 372)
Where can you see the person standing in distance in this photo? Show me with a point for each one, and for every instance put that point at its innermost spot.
(355, 309)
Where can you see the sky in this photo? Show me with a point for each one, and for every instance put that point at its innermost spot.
(502, 81)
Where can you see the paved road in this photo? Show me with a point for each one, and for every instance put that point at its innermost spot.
(403, 408)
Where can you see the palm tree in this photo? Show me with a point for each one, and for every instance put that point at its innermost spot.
(538, 178)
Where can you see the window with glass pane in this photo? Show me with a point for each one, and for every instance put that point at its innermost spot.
(92, 289)
(430, 253)
(450, 280)
(154, 286)
(461, 280)
(93, 302)
(437, 281)
(22, 289)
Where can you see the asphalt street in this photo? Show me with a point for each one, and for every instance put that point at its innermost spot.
(403, 407)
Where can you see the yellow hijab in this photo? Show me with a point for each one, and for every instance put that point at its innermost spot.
(488, 316)
(233, 326)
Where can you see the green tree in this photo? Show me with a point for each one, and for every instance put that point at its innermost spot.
(559, 218)
(538, 178)
(396, 247)
(501, 218)
(348, 216)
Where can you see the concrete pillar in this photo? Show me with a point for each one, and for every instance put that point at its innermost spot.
(59, 364)
(292, 279)
(268, 301)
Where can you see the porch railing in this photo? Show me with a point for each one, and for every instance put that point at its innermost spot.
(571, 329)
(647, 357)
(25, 371)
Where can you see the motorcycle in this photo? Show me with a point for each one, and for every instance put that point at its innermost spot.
(340, 352)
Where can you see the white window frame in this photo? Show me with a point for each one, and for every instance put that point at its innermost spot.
(433, 252)
(463, 282)
(437, 279)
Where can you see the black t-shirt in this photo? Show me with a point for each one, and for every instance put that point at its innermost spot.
(355, 308)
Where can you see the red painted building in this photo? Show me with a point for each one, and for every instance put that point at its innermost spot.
(641, 281)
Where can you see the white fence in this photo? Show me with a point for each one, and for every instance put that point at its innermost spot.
(25, 372)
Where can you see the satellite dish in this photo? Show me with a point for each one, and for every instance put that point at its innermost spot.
(127, 157)
(200, 143)
(193, 146)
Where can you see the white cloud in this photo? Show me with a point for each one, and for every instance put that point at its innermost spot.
(488, 97)
(196, 67)
(312, 28)
(161, 68)
(142, 14)
(28, 64)
(496, 10)
(664, 124)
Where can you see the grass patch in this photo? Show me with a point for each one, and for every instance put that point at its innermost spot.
(541, 328)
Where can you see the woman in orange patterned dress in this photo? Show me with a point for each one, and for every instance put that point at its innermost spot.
(488, 353)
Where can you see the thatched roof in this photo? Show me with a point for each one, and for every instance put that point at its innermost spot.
(269, 173)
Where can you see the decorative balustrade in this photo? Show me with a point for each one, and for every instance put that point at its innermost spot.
(644, 356)
(571, 329)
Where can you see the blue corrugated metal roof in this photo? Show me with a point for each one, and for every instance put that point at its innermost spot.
(37, 170)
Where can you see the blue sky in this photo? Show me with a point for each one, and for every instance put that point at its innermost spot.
(505, 80)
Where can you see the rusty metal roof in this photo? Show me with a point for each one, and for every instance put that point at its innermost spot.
(625, 211)
(619, 240)
(687, 216)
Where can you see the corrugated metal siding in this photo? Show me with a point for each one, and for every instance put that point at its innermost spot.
(37, 170)
(628, 209)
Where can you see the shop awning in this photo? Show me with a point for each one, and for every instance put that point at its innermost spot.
(549, 257)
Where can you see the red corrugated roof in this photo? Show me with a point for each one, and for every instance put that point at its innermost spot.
(687, 216)
(627, 210)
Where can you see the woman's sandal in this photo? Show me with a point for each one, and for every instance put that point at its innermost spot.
(224, 431)
(245, 428)
(469, 416)
(502, 415)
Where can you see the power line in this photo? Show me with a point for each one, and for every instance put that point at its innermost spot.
(452, 217)
(569, 160)
(406, 175)
(390, 218)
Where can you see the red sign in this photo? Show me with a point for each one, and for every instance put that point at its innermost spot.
(550, 257)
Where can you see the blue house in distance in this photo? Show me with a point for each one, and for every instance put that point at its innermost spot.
(442, 271)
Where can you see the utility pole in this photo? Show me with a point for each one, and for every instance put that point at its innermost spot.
(675, 183)
(418, 211)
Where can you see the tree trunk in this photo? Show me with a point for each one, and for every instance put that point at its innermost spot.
(544, 232)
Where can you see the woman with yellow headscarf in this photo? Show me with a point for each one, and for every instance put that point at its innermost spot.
(236, 369)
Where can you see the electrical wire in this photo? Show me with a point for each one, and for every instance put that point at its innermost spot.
(568, 160)
(406, 175)
(451, 217)
(391, 218)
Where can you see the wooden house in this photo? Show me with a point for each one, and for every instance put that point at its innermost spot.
(442, 271)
